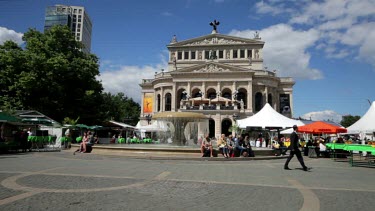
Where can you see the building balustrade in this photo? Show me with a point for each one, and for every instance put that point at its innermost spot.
(211, 107)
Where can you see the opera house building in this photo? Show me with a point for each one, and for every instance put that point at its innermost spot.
(219, 76)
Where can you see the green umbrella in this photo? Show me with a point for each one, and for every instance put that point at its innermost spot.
(94, 127)
(82, 126)
(4, 117)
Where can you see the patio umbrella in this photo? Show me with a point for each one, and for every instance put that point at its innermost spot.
(82, 126)
(94, 127)
(4, 117)
(321, 127)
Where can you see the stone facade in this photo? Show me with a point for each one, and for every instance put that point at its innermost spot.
(218, 75)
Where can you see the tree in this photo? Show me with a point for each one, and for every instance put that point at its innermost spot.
(120, 108)
(51, 75)
(349, 120)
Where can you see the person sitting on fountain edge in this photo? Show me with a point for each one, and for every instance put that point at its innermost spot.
(206, 147)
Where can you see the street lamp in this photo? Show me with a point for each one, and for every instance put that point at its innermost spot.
(148, 118)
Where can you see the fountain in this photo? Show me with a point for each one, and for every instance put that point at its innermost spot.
(181, 128)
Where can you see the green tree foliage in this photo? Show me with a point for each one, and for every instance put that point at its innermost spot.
(349, 120)
(121, 108)
(51, 75)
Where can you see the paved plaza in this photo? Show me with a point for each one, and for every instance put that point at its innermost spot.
(62, 181)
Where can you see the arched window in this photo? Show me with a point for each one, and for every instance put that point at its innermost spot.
(227, 93)
(211, 94)
(168, 102)
(242, 95)
(270, 99)
(258, 101)
(196, 93)
(158, 102)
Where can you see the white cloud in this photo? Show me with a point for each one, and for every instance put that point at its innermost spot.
(126, 79)
(344, 25)
(8, 34)
(266, 8)
(286, 50)
(323, 115)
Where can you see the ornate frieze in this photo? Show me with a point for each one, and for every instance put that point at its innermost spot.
(211, 68)
(215, 40)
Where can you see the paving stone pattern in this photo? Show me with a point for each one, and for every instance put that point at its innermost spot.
(63, 181)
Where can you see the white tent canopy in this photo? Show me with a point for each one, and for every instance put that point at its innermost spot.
(366, 124)
(268, 117)
(121, 124)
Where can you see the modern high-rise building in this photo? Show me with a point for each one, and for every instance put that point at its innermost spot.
(76, 18)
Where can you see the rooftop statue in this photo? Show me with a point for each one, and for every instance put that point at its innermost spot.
(214, 24)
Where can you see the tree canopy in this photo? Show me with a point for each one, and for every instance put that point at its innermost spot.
(53, 76)
(349, 120)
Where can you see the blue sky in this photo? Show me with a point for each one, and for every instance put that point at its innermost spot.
(326, 46)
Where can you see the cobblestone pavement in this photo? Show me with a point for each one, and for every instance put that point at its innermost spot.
(62, 181)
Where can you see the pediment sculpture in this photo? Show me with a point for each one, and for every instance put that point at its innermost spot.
(211, 68)
(214, 40)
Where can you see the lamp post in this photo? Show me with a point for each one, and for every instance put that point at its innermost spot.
(148, 118)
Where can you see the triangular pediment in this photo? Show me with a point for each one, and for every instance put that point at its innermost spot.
(216, 39)
(211, 67)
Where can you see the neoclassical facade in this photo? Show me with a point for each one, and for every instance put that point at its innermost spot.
(220, 76)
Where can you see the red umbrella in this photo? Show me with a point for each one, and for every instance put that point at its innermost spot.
(321, 127)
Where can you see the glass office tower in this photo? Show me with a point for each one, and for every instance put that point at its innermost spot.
(75, 18)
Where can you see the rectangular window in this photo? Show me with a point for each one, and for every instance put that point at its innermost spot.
(193, 55)
(179, 55)
(249, 53)
(235, 54)
(79, 25)
(206, 54)
(75, 11)
(80, 11)
(242, 53)
(186, 55)
(221, 54)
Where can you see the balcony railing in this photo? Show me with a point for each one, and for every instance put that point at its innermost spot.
(192, 107)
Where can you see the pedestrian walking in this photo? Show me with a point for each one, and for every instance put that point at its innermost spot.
(295, 151)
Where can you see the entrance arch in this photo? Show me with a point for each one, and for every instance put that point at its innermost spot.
(225, 125)
(211, 128)
(258, 101)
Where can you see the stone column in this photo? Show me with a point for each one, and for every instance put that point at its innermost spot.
(250, 96)
(189, 89)
(173, 106)
(291, 103)
(266, 93)
(218, 87)
(161, 99)
(142, 103)
(203, 89)
(155, 103)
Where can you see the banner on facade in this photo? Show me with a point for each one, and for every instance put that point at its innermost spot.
(148, 100)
